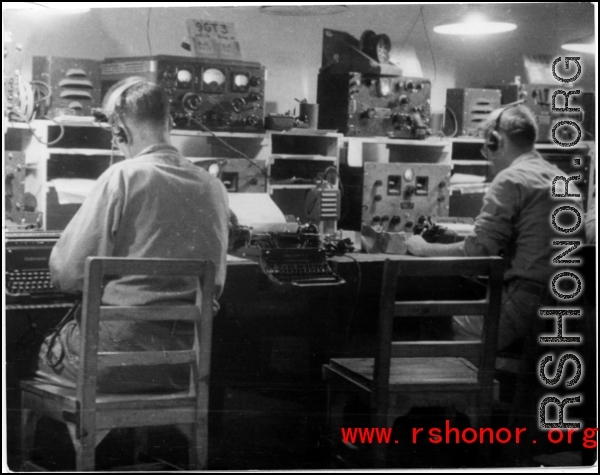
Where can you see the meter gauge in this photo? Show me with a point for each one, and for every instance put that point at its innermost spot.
(240, 82)
(384, 86)
(184, 78)
(213, 81)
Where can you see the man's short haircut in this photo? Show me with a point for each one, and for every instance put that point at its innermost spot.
(517, 122)
(138, 100)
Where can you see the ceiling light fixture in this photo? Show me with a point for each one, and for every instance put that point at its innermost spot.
(587, 44)
(474, 23)
(303, 10)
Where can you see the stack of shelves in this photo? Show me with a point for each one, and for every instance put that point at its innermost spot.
(69, 156)
(297, 161)
(286, 165)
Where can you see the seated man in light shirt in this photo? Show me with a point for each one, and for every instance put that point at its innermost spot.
(154, 204)
(514, 222)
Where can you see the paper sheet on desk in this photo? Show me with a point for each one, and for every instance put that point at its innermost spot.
(255, 208)
(72, 190)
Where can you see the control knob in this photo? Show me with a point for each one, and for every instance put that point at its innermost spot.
(255, 96)
(252, 120)
(409, 191)
(170, 73)
(238, 104)
(191, 101)
(369, 113)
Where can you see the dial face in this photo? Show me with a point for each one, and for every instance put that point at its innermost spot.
(384, 86)
(213, 81)
(184, 76)
(213, 169)
(408, 174)
(241, 82)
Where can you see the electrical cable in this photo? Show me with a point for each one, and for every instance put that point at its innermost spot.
(242, 154)
(112, 153)
(55, 336)
(26, 99)
(48, 91)
(455, 123)
(410, 31)
(430, 48)
(148, 31)
(358, 286)
(58, 139)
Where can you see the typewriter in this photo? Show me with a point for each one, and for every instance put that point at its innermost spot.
(294, 259)
(27, 277)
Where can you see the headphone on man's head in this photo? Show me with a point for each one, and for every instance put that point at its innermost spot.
(111, 101)
(493, 141)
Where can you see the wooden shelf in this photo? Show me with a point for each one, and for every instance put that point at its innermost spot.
(285, 156)
(306, 132)
(82, 151)
(471, 162)
(429, 142)
(201, 133)
(291, 187)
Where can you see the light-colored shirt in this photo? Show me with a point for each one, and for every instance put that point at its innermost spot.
(590, 221)
(516, 219)
(156, 205)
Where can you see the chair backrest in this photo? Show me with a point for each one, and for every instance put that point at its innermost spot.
(488, 308)
(93, 312)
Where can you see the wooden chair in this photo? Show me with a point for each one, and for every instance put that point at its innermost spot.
(405, 375)
(90, 415)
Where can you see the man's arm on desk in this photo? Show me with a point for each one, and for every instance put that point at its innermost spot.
(417, 246)
(470, 247)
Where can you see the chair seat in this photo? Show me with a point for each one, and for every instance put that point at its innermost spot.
(68, 396)
(413, 373)
(426, 382)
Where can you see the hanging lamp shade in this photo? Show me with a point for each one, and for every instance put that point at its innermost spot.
(474, 23)
(587, 44)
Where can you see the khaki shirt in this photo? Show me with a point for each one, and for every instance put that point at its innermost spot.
(516, 219)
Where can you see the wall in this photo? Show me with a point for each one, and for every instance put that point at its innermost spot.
(290, 47)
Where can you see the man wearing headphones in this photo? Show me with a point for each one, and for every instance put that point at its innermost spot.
(514, 222)
(154, 204)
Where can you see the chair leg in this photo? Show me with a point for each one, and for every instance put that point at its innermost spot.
(197, 436)
(29, 420)
(85, 449)
(140, 443)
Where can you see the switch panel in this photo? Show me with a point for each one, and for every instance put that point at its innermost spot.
(405, 201)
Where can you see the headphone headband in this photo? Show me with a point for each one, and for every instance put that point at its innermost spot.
(507, 106)
(116, 92)
(493, 140)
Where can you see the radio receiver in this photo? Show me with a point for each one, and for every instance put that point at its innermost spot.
(361, 93)
(214, 94)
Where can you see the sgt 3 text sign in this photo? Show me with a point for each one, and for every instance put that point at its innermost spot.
(213, 39)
